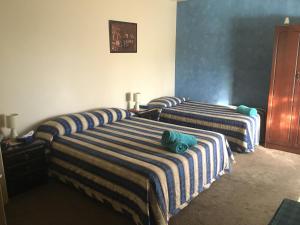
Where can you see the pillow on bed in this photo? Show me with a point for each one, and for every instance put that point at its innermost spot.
(165, 102)
(78, 122)
(184, 99)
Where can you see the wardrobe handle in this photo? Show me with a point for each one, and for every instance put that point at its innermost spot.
(297, 76)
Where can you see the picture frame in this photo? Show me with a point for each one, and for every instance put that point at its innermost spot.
(122, 37)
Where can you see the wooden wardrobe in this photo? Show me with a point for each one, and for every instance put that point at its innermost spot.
(283, 118)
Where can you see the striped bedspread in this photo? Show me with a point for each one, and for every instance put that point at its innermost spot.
(124, 164)
(241, 131)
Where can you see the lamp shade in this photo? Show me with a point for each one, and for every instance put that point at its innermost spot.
(136, 97)
(287, 21)
(2, 120)
(128, 96)
(12, 121)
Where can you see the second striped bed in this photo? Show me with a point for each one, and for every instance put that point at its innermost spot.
(241, 131)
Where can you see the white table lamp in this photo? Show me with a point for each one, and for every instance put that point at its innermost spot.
(12, 124)
(136, 99)
(129, 99)
(286, 21)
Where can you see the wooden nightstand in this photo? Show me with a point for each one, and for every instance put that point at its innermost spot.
(25, 166)
(2, 211)
(151, 114)
(3, 192)
(3, 180)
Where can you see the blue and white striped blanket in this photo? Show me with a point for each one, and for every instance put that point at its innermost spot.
(241, 131)
(123, 163)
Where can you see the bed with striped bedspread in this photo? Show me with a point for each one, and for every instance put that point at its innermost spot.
(121, 162)
(241, 131)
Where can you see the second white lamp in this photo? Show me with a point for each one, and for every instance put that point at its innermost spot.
(129, 99)
(136, 99)
(12, 124)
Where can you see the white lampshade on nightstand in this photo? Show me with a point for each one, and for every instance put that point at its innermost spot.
(128, 96)
(12, 124)
(136, 99)
(286, 20)
(129, 99)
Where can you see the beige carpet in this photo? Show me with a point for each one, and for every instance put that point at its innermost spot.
(248, 196)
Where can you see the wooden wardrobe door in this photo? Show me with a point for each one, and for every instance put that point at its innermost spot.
(296, 114)
(297, 119)
(280, 123)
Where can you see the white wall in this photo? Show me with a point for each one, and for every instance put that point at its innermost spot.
(54, 55)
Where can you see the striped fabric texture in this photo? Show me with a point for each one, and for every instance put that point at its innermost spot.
(123, 164)
(78, 122)
(241, 131)
(165, 102)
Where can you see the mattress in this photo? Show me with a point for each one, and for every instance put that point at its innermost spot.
(241, 131)
(123, 163)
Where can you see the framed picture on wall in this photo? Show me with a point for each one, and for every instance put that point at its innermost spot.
(122, 37)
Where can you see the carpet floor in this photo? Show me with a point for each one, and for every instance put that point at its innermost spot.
(249, 195)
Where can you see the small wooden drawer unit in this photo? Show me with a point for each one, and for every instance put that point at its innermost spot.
(25, 166)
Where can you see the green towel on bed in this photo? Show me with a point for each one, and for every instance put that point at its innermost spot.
(177, 142)
(246, 110)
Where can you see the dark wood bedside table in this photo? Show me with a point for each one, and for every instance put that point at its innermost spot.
(3, 193)
(151, 114)
(25, 166)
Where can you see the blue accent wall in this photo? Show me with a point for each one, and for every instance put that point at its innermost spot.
(224, 48)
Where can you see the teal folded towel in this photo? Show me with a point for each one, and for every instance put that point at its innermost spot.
(177, 142)
(246, 110)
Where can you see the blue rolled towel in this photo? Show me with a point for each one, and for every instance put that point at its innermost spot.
(177, 142)
(246, 110)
